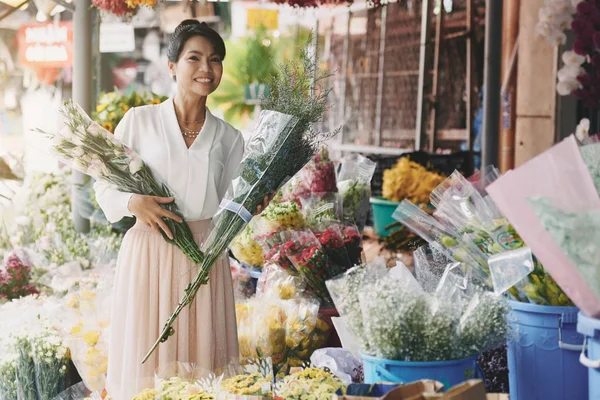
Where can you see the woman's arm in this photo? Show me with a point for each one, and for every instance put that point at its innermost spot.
(113, 202)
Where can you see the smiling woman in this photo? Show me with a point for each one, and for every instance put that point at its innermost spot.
(197, 155)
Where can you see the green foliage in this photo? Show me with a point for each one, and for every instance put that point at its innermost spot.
(248, 61)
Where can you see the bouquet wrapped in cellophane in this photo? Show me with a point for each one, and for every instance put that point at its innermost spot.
(469, 228)
(394, 318)
(87, 147)
(283, 141)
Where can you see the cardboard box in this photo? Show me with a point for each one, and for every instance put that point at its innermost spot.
(403, 392)
(420, 390)
(366, 391)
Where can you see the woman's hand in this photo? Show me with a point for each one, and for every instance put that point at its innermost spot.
(147, 209)
(265, 203)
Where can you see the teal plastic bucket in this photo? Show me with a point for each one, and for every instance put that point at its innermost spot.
(543, 354)
(590, 328)
(382, 215)
(450, 373)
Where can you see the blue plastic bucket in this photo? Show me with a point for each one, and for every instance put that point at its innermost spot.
(590, 328)
(450, 373)
(543, 354)
(382, 215)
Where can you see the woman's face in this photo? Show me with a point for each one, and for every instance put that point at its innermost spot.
(199, 68)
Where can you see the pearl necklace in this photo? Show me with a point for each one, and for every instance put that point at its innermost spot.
(190, 134)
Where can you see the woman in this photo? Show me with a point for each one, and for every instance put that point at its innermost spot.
(197, 155)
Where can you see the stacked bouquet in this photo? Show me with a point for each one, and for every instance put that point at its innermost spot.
(469, 227)
(311, 383)
(395, 319)
(354, 185)
(313, 245)
(280, 323)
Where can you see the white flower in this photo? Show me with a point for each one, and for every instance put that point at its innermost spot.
(557, 37)
(78, 152)
(45, 243)
(583, 129)
(50, 227)
(569, 57)
(65, 133)
(23, 220)
(136, 164)
(96, 167)
(569, 72)
(95, 129)
(565, 88)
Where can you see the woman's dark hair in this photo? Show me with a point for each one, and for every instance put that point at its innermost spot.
(188, 29)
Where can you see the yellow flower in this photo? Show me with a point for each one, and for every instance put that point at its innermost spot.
(108, 126)
(124, 107)
(91, 338)
(104, 324)
(73, 301)
(291, 342)
(322, 325)
(155, 101)
(92, 356)
(286, 290)
(101, 107)
(112, 115)
(87, 294)
(148, 394)
(76, 329)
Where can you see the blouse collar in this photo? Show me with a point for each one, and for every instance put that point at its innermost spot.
(205, 139)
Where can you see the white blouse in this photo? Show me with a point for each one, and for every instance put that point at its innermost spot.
(199, 176)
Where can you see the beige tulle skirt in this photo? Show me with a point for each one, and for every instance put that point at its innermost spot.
(150, 279)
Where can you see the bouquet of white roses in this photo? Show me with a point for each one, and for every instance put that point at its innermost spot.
(89, 148)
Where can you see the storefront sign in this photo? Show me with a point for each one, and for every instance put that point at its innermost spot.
(267, 18)
(46, 45)
(116, 37)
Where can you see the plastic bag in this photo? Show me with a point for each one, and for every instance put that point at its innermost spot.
(305, 332)
(309, 258)
(344, 292)
(354, 186)
(340, 362)
(78, 392)
(49, 357)
(279, 283)
(430, 265)
(319, 173)
(510, 268)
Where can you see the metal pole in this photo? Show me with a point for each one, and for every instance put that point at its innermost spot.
(380, 75)
(421, 114)
(345, 61)
(315, 48)
(82, 88)
(439, 26)
(510, 37)
(491, 72)
(469, 78)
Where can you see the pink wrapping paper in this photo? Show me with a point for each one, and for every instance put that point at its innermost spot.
(559, 174)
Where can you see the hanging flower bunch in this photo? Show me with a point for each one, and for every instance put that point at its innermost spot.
(312, 3)
(568, 75)
(555, 16)
(580, 74)
(587, 43)
(122, 8)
